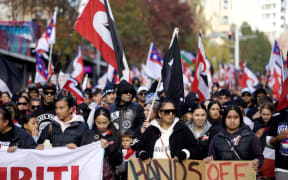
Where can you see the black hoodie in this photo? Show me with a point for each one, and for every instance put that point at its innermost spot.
(130, 116)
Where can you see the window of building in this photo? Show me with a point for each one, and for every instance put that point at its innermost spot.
(226, 4)
(225, 20)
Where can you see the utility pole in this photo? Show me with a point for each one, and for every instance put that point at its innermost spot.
(236, 49)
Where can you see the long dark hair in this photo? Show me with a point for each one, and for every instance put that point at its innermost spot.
(230, 108)
(198, 106)
(68, 99)
(209, 107)
(105, 112)
(6, 116)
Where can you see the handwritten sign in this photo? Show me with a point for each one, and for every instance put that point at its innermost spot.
(164, 169)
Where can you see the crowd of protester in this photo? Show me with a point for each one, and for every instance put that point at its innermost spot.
(229, 126)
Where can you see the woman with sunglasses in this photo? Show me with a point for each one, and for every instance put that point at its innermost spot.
(200, 128)
(166, 137)
(235, 141)
(22, 107)
(66, 129)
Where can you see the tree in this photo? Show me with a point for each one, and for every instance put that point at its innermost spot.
(141, 21)
(255, 50)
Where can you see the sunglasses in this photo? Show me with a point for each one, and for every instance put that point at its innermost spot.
(245, 94)
(142, 94)
(168, 111)
(35, 107)
(24, 104)
(127, 92)
(49, 92)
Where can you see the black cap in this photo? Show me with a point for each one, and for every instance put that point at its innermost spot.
(192, 96)
(49, 86)
(96, 91)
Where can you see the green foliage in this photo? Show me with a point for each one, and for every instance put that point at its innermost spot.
(254, 50)
(140, 22)
(217, 54)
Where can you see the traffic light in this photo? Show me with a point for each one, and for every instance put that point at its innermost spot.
(230, 35)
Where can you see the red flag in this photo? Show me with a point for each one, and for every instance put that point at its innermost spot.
(96, 24)
(78, 67)
(274, 80)
(248, 79)
(93, 25)
(283, 101)
(200, 82)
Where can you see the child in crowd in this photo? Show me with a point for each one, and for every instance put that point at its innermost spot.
(128, 153)
(30, 124)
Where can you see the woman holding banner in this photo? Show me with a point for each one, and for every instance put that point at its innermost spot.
(235, 141)
(166, 137)
(104, 131)
(66, 129)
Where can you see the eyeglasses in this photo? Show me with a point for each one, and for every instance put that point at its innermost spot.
(35, 107)
(168, 111)
(24, 103)
(49, 92)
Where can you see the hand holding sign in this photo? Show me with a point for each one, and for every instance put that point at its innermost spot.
(255, 164)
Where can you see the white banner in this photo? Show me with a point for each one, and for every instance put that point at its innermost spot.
(82, 163)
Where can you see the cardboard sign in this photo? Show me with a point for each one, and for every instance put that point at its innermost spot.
(162, 169)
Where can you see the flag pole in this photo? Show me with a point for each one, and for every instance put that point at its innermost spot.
(51, 46)
(175, 33)
(282, 67)
(154, 98)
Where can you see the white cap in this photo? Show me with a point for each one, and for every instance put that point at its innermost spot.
(142, 88)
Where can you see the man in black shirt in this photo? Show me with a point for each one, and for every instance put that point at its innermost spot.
(11, 136)
(46, 112)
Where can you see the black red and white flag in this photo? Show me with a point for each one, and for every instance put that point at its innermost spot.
(200, 83)
(96, 24)
(76, 67)
(73, 87)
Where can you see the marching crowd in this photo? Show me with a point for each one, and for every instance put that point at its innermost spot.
(229, 126)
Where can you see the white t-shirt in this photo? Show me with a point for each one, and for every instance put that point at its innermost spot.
(159, 149)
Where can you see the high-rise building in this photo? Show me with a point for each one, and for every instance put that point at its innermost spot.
(268, 16)
(272, 17)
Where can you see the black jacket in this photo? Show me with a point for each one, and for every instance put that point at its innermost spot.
(22, 139)
(259, 123)
(246, 144)
(181, 138)
(203, 141)
(129, 117)
(72, 134)
(113, 153)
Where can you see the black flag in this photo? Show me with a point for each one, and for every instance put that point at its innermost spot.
(172, 72)
(123, 68)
